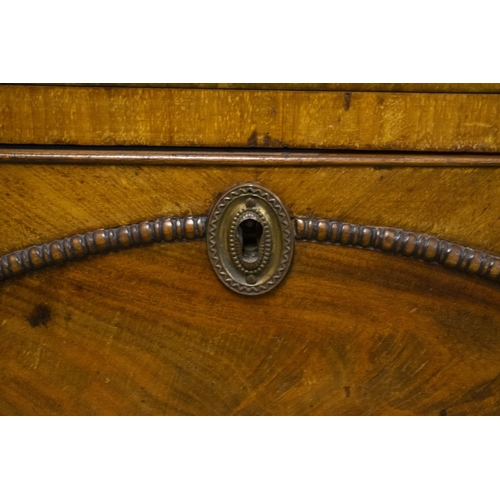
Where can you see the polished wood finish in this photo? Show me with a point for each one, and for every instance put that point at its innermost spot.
(46, 202)
(152, 331)
(112, 116)
(245, 158)
(329, 231)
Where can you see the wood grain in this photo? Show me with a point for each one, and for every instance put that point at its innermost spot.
(329, 231)
(113, 116)
(152, 331)
(42, 202)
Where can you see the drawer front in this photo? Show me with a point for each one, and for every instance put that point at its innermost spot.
(152, 330)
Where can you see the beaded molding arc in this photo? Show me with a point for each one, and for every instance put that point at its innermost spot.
(99, 241)
(328, 231)
(400, 242)
(287, 240)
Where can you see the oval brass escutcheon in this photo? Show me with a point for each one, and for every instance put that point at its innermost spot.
(250, 239)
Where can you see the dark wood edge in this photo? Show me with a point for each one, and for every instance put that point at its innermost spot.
(222, 158)
(461, 88)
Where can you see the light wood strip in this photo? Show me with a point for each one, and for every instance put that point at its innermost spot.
(116, 116)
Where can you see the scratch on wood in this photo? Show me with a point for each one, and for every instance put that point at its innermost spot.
(347, 101)
(36, 360)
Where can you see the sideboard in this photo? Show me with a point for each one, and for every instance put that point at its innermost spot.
(389, 303)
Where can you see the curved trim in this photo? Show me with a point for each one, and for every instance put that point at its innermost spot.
(329, 231)
(78, 246)
(398, 241)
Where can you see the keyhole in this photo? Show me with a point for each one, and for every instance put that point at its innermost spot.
(250, 232)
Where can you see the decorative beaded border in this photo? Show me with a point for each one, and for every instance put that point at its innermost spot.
(78, 246)
(398, 241)
(166, 229)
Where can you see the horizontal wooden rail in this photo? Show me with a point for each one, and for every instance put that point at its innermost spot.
(193, 158)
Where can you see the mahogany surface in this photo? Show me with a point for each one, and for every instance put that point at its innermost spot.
(152, 331)
(110, 116)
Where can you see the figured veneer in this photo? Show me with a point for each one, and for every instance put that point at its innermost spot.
(376, 121)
